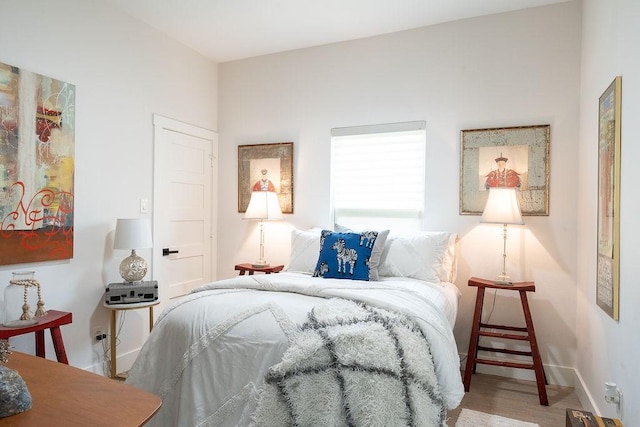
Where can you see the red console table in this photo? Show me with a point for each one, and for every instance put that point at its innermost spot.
(52, 321)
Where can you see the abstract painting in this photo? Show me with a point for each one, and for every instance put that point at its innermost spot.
(37, 143)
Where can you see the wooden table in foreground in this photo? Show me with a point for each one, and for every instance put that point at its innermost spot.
(66, 396)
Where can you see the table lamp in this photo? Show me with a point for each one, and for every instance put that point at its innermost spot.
(132, 234)
(263, 205)
(502, 208)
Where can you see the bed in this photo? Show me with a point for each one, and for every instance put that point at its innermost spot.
(309, 346)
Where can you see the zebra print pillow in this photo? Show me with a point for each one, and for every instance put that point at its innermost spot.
(346, 255)
(378, 247)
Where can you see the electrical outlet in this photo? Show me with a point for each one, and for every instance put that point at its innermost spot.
(612, 393)
(99, 333)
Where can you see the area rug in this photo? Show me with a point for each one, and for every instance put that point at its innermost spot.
(470, 418)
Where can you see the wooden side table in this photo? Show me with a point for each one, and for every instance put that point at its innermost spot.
(62, 395)
(52, 321)
(525, 334)
(243, 268)
(113, 331)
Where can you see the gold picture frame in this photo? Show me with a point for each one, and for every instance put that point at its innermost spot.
(266, 167)
(608, 262)
(515, 157)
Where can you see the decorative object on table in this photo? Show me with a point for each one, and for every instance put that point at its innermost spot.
(266, 167)
(132, 234)
(502, 208)
(5, 352)
(18, 291)
(608, 270)
(514, 157)
(37, 168)
(14, 395)
(263, 206)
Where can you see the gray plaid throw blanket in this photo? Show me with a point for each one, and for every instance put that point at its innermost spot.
(353, 365)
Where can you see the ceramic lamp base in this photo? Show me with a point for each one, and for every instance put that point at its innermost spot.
(133, 268)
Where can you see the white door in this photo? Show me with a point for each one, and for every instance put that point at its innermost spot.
(184, 206)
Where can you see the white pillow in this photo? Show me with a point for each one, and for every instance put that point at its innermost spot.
(305, 249)
(428, 256)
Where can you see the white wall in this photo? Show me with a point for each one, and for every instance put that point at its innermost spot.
(519, 68)
(608, 350)
(512, 69)
(123, 72)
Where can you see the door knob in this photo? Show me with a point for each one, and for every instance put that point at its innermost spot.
(166, 251)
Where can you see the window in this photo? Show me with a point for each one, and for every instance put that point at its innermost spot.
(378, 174)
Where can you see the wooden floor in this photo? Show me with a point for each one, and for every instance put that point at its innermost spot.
(516, 399)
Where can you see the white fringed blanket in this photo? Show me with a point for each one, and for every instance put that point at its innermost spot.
(353, 365)
(209, 352)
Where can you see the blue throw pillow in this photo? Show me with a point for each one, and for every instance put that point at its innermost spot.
(345, 255)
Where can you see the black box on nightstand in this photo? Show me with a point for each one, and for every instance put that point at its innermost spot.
(131, 293)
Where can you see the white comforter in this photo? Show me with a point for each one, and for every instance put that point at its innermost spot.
(208, 352)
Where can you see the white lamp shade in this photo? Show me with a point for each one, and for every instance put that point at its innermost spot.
(134, 233)
(502, 207)
(263, 205)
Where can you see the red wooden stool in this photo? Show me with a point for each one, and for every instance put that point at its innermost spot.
(52, 321)
(529, 335)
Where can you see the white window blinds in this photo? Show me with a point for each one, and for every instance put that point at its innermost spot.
(378, 174)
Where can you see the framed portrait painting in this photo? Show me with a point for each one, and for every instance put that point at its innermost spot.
(608, 274)
(515, 157)
(266, 167)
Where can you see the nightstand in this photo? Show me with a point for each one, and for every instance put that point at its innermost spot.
(524, 334)
(52, 321)
(114, 309)
(243, 268)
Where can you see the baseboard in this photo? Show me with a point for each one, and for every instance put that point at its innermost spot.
(123, 363)
(585, 397)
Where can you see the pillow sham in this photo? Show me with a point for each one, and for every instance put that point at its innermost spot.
(305, 246)
(428, 256)
(346, 255)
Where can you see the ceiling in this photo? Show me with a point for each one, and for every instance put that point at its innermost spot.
(226, 30)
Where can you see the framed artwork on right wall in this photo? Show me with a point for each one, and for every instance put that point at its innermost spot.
(608, 270)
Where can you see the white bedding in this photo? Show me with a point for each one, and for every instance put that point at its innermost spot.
(208, 352)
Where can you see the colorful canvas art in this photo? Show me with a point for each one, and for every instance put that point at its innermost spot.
(37, 143)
